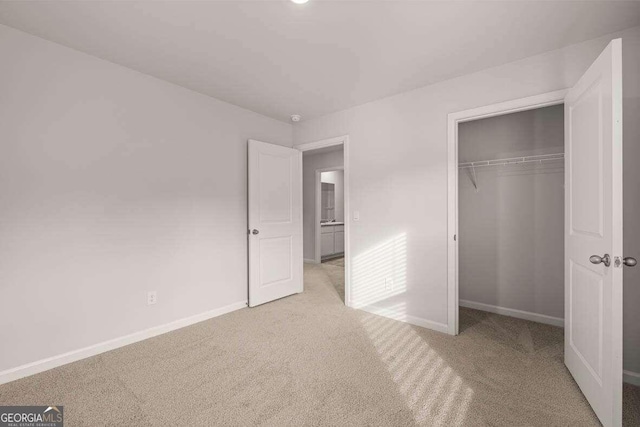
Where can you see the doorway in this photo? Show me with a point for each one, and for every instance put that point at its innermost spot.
(329, 214)
(470, 170)
(326, 210)
(511, 216)
(277, 222)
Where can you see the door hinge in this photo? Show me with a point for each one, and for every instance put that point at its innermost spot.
(454, 237)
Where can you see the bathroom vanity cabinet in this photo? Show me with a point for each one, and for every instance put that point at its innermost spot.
(331, 239)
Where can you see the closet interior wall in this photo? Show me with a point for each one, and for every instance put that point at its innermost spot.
(511, 227)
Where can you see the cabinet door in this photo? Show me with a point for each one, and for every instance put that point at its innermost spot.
(326, 244)
(339, 241)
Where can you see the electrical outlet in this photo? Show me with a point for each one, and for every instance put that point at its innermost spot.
(152, 298)
(388, 284)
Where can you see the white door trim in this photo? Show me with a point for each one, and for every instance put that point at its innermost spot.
(453, 119)
(330, 142)
(318, 213)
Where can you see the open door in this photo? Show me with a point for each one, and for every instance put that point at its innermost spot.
(275, 222)
(593, 234)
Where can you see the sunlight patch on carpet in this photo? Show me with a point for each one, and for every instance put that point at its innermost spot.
(430, 387)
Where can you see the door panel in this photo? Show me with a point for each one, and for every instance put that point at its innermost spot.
(586, 312)
(593, 226)
(587, 162)
(275, 187)
(275, 260)
(275, 222)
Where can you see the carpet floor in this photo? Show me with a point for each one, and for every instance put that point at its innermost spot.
(309, 360)
(335, 270)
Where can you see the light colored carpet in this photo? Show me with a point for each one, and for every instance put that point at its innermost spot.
(338, 262)
(335, 271)
(309, 360)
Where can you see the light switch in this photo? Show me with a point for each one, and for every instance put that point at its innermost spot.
(356, 215)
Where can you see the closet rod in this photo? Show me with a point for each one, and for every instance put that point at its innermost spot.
(512, 161)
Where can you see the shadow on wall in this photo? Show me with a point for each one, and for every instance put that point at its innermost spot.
(430, 387)
(380, 273)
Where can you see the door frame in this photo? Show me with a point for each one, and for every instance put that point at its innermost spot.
(318, 213)
(453, 119)
(330, 142)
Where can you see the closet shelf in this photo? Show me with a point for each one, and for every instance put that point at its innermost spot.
(505, 162)
(512, 161)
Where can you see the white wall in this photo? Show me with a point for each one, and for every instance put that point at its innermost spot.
(337, 179)
(311, 163)
(398, 152)
(113, 183)
(511, 229)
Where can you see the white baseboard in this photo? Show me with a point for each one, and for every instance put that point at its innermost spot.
(310, 261)
(417, 321)
(631, 377)
(526, 315)
(75, 355)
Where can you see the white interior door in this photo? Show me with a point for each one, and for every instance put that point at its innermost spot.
(593, 226)
(275, 222)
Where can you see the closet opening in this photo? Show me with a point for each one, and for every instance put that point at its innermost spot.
(506, 217)
(511, 218)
